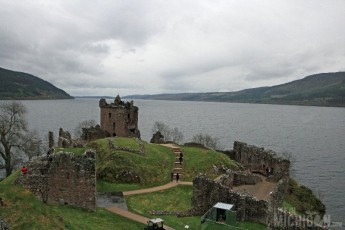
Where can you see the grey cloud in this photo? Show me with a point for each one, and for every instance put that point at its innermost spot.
(177, 46)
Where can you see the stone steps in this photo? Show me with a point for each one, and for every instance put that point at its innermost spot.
(177, 166)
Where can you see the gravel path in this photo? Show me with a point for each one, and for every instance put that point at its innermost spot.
(260, 190)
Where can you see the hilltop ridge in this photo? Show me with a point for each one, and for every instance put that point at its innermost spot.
(21, 86)
(324, 89)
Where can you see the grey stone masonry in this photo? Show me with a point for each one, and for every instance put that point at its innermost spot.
(260, 160)
(63, 178)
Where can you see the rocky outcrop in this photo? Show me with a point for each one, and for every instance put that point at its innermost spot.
(157, 138)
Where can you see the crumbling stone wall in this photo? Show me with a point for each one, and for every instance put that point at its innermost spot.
(51, 142)
(232, 178)
(63, 178)
(119, 118)
(94, 133)
(258, 159)
(65, 139)
(277, 196)
(207, 192)
(141, 150)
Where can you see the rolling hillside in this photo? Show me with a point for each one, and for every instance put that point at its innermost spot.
(18, 85)
(325, 89)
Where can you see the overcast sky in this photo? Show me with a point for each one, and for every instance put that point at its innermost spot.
(148, 47)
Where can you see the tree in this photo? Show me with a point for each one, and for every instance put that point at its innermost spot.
(207, 141)
(176, 135)
(169, 134)
(14, 135)
(78, 131)
(32, 145)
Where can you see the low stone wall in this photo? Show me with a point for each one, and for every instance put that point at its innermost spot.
(276, 199)
(171, 213)
(126, 149)
(63, 178)
(232, 178)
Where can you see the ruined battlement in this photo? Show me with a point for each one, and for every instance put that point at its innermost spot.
(119, 118)
(233, 187)
(256, 159)
(63, 178)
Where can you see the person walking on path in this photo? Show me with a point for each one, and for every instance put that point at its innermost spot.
(177, 177)
(181, 159)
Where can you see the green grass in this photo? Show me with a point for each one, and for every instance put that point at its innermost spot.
(199, 160)
(24, 211)
(239, 226)
(251, 225)
(126, 142)
(104, 186)
(153, 168)
(116, 166)
(11, 178)
(303, 199)
(175, 199)
(289, 207)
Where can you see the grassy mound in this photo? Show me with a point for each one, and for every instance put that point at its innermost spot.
(201, 160)
(120, 166)
(303, 199)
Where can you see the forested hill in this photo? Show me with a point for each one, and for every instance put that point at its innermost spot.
(324, 89)
(21, 86)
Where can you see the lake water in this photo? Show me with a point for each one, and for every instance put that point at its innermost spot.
(314, 136)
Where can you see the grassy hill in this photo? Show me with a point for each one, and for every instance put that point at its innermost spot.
(21, 86)
(325, 89)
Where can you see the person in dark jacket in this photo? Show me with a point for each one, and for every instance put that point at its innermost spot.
(177, 177)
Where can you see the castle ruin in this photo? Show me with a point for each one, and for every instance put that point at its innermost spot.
(63, 178)
(119, 118)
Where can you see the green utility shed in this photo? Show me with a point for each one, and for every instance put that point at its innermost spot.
(220, 214)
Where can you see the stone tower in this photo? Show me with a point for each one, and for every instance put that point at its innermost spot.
(119, 118)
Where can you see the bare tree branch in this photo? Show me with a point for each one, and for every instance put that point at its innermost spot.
(14, 134)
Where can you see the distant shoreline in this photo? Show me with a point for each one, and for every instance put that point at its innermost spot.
(241, 102)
